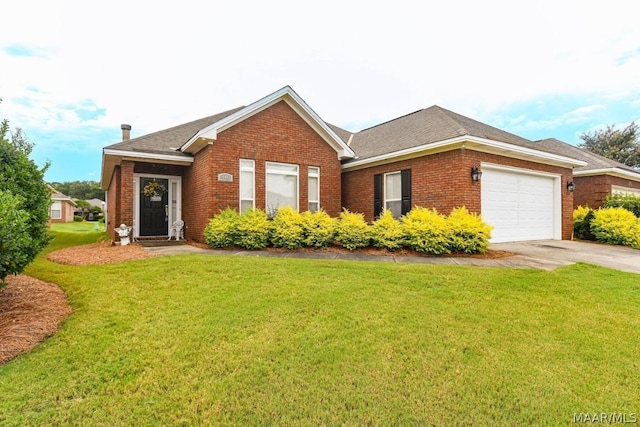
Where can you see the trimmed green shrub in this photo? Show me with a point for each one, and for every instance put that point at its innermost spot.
(616, 226)
(77, 218)
(319, 229)
(222, 229)
(582, 217)
(426, 231)
(627, 201)
(468, 233)
(352, 232)
(253, 230)
(287, 228)
(387, 232)
(14, 234)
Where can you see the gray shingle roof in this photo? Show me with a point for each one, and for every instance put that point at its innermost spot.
(168, 140)
(427, 126)
(594, 161)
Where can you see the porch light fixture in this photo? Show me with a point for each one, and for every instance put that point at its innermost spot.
(571, 186)
(476, 174)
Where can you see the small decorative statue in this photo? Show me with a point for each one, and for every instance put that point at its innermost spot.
(123, 231)
(177, 229)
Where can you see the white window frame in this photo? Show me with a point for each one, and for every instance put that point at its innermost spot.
(252, 169)
(58, 204)
(625, 191)
(313, 172)
(280, 172)
(385, 199)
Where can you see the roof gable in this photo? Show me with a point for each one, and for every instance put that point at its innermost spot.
(436, 128)
(596, 164)
(286, 94)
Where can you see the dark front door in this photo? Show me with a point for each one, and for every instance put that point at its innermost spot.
(153, 209)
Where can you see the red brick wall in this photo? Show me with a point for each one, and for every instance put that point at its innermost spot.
(443, 181)
(66, 212)
(120, 198)
(592, 190)
(276, 134)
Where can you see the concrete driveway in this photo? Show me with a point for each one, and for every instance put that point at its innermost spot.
(550, 254)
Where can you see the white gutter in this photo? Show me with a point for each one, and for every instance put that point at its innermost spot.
(142, 155)
(617, 172)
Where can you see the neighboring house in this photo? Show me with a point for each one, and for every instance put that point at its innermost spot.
(278, 151)
(93, 203)
(599, 178)
(62, 207)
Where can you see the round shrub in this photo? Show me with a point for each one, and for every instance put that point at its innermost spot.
(468, 233)
(222, 229)
(386, 232)
(319, 229)
(616, 226)
(352, 231)
(426, 231)
(627, 201)
(77, 218)
(287, 229)
(253, 230)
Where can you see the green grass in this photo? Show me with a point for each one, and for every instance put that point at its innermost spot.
(201, 340)
(77, 227)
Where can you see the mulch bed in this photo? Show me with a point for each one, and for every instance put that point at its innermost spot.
(98, 253)
(30, 311)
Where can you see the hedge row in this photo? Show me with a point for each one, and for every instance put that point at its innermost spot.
(613, 225)
(421, 229)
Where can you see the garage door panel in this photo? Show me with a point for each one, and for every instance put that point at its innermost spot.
(519, 205)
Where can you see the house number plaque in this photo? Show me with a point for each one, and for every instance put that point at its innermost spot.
(225, 177)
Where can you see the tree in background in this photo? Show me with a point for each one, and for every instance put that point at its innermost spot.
(620, 145)
(24, 203)
(83, 190)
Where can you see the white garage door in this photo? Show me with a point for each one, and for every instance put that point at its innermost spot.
(520, 205)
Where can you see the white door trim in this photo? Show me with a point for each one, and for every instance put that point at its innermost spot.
(177, 197)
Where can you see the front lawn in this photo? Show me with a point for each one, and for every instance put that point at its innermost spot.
(201, 340)
(77, 227)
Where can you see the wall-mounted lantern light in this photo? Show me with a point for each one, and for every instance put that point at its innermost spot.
(476, 174)
(571, 186)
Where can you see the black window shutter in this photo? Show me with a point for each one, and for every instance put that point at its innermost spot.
(405, 178)
(377, 195)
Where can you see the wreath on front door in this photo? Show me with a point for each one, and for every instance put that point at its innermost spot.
(153, 189)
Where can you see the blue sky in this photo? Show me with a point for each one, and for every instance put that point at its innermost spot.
(74, 71)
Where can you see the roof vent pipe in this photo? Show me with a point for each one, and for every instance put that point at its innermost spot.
(126, 132)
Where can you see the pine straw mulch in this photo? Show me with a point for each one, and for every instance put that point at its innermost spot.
(98, 253)
(30, 311)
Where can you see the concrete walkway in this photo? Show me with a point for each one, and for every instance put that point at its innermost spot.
(544, 255)
(554, 253)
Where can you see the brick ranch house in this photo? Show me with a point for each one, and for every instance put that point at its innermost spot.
(278, 151)
(62, 207)
(600, 178)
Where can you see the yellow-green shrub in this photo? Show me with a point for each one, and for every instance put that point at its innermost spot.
(616, 226)
(386, 232)
(426, 231)
(287, 228)
(222, 229)
(319, 229)
(580, 213)
(467, 232)
(352, 231)
(582, 217)
(253, 230)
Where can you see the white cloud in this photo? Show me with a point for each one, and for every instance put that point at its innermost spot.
(356, 63)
